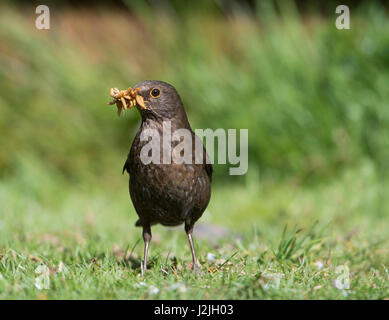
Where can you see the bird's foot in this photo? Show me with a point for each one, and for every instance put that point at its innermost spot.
(195, 268)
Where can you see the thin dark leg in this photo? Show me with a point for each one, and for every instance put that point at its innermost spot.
(189, 230)
(147, 239)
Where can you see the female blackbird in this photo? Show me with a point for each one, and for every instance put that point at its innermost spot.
(167, 193)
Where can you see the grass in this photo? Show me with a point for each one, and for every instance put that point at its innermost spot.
(315, 196)
(91, 249)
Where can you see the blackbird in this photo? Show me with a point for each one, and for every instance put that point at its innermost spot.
(166, 193)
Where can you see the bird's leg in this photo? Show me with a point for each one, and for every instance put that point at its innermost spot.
(147, 239)
(189, 230)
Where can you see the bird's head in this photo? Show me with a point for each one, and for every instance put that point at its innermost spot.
(154, 99)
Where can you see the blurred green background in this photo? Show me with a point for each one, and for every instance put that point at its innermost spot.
(314, 99)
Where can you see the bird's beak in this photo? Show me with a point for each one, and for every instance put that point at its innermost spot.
(126, 99)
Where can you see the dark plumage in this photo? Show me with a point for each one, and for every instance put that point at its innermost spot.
(169, 194)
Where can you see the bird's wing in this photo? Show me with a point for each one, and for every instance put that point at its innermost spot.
(126, 166)
(206, 161)
(209, 169)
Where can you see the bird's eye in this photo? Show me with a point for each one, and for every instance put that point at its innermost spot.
(155, 93)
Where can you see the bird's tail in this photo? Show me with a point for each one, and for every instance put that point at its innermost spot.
(139, 223)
